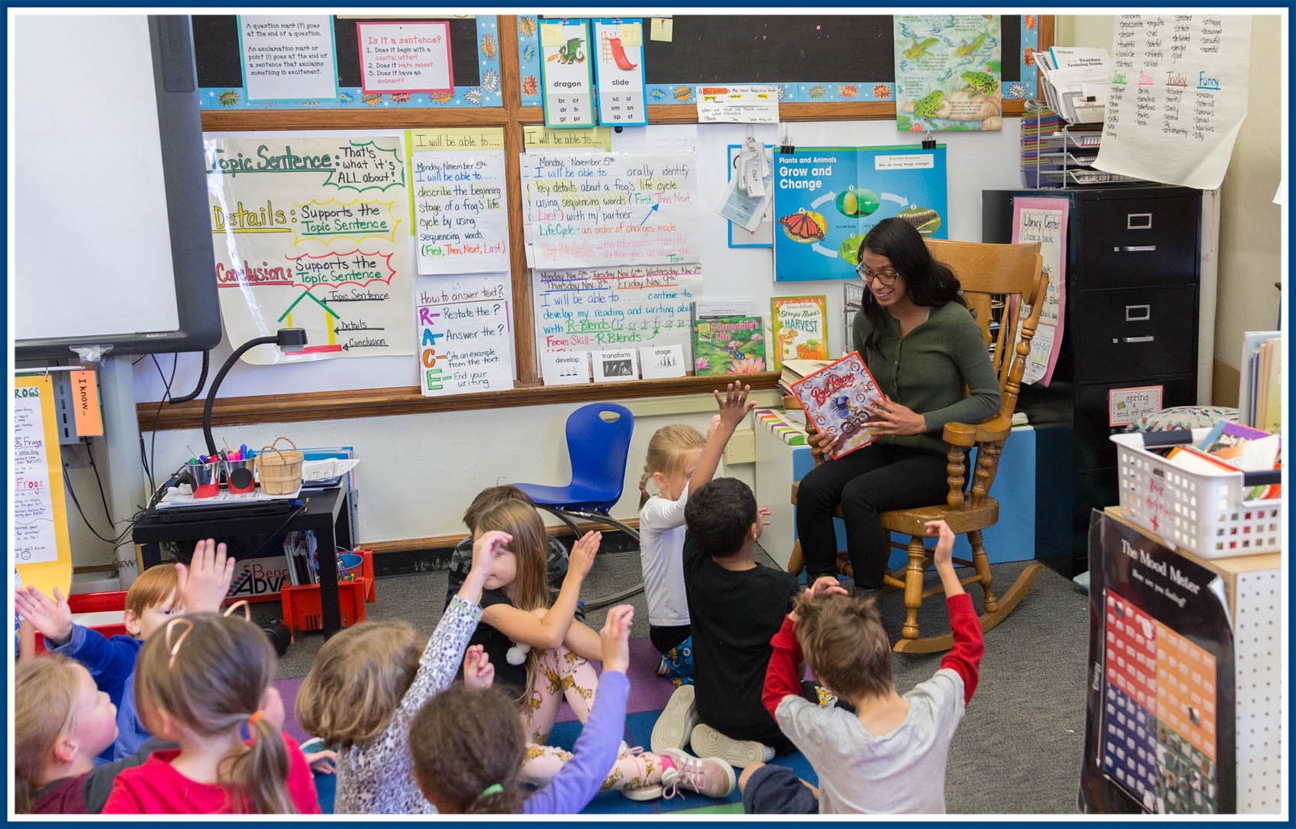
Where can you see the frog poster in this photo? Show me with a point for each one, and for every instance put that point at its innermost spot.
(948, 72)
(800, 328)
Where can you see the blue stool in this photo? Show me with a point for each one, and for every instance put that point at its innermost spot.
(598, 442)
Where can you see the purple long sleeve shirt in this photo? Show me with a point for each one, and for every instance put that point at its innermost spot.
(575, 785)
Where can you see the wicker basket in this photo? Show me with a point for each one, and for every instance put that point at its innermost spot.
(280, 471)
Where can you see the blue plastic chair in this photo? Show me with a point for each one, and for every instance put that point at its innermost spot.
(598, 449)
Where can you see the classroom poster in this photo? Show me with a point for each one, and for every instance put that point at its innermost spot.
(567, 74)
(619, 72)
(405, 57)
(1178, 96)
(948, 69)
(288, 57)
(826, 199)
(628, 306)
(465, 334)
(312, 233)
(597, 209)
(1044, 220)
(40, 529)
(1159, 724)
(800, 328)
(458, 200)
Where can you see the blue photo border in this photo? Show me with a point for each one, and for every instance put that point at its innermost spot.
(598, 116)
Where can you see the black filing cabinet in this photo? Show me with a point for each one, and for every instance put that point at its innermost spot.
(1132, 282)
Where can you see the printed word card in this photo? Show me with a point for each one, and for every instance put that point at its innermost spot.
(659, 361)
(288, 57)
(630, 307)
(312, 233)
(615, 364)
(588, 210)
(565, 368)
(566, 71)
(465, 335)
(460, 213)
(622, 95)
(405, 57)
(1178, 97)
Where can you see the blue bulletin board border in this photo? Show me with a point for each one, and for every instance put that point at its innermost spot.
(614, 21)
(486, 94)
(792, 93)
(589, 71)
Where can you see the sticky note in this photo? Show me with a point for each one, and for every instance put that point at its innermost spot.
(85, 403)
(632, 35)
(662, 29)
(551, 34)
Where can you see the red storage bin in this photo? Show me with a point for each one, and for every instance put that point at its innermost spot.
(302, 609)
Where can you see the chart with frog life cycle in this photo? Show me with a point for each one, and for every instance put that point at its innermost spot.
(566, 69)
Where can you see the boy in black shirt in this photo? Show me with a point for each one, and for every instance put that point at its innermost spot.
(735, 607)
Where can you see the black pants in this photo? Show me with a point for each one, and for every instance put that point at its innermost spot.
(869, 481)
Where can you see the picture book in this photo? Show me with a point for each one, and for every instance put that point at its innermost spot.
(835, 398)
(1248, 449)
(728, 345)
(800, 328)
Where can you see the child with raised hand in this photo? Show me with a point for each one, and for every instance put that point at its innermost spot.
(541, 654)
(159, 593)
(370, 680)
(201, 679)
(679, 461)
(469, 749)
(888, 757)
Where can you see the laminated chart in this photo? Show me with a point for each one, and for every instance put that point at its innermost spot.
(601, 209)
(627, 307)
(312, 233)
(465, 334)
(457, 191)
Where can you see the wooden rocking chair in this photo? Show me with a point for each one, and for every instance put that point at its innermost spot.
(998, 281)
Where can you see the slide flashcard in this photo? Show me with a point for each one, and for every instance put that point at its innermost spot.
(566, 69)
(622, 94)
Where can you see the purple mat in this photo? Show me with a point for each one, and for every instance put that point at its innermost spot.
(288, 689)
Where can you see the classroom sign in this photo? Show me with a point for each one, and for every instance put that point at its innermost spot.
(590, 210)
(1044, 221)
(627, 307)
(457, 196)
(465, 334)
(826, 199)
(312, 233)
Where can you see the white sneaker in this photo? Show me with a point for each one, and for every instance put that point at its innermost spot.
(663, 667)
(650, 792)
(676, 721)
(707, 742)
(710, 776)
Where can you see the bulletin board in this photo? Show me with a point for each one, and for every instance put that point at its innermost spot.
(474, 43)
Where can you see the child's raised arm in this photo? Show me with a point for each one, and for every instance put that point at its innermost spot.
(734, 407)
(783, 675)
(969, 646)
(548, 630)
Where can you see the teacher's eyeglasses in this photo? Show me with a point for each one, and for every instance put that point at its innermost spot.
(887, 277)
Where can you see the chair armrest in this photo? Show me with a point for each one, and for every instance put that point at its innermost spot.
(968, 435)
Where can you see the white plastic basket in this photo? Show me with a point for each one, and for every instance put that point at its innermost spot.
(1202, 513)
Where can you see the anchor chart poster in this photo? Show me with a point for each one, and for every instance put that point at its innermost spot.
(826, 199)
(312, 233)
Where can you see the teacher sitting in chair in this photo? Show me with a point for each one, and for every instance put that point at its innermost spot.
(927, 355)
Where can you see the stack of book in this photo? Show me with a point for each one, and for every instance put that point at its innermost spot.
(794, 370)
(1232, 447)
(1260, 401)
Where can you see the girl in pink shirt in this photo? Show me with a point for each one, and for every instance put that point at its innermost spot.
(199, 681)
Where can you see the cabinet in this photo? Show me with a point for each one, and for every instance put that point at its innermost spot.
(1132, 294)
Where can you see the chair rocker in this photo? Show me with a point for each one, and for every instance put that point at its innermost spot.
(999, 283)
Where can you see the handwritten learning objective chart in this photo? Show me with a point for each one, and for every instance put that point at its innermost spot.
(312, 233)
(586, 210)
(465, 334)
(1178, 96)
(457, 192)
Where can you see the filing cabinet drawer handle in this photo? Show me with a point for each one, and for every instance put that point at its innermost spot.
(1138, 313)
(1136, 249)
(1138, 221)
(1146, 339)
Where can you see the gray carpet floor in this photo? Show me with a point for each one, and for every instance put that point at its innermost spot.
(1018, 750)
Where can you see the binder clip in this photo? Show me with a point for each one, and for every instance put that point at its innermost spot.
(786, 147)
(928, 143)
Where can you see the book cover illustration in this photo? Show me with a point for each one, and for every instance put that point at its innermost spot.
(729, 345)
(800, 328)
(835, 398)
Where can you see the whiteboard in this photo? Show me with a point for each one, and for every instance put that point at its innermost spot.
(977, 161)
(91, 236)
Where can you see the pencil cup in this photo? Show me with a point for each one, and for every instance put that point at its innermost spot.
(240, 477)
(206, 479)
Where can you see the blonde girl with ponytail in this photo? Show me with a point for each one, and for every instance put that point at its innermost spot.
(199, 681)
(679, 461)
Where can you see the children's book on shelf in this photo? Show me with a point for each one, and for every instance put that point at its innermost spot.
(794, 370)
(800, 328)
(728, 345)
(835, 400)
